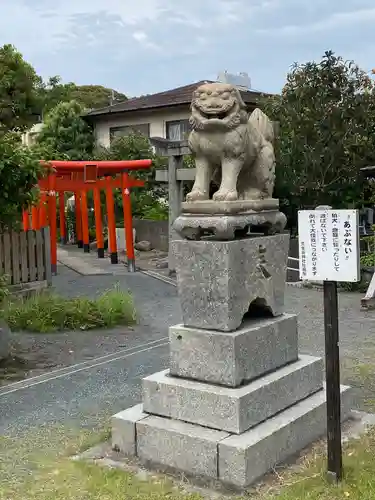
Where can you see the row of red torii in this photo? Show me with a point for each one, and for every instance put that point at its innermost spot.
(79, 177)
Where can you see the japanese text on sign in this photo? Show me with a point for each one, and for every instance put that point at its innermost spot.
(329, 245)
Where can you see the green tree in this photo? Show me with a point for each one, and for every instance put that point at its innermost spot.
(326, 113)
(65, 134)
(96, 96)
(19, 97)
(145, 201)
(53, 92)
(20, 170)
(89, 96)
(134, 146)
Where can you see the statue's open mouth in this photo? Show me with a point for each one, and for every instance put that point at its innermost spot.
(217, 114)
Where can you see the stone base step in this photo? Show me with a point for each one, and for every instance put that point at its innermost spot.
(244, 459)
(258, 347)
(232, 409)
(236, 460)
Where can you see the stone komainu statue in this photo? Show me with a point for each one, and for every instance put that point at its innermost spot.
(231, 148)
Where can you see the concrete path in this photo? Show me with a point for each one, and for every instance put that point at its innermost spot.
(84, 394)
(85, 264)
(88, 264)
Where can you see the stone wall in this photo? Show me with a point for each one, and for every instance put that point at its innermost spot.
(154, 231)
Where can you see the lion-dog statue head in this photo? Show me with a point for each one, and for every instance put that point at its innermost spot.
(217, 105)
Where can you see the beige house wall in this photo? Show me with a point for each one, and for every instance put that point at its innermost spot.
(157, 119)
(28, 138)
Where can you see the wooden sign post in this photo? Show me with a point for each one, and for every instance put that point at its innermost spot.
(329, 252)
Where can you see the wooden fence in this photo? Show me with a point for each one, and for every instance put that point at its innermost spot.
(25, 256)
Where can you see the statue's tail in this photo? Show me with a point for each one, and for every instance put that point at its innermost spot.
(261, 121)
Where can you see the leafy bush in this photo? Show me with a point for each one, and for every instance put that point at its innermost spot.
(368, 260)
(4, 290)
(360, 286)
(145, 201)
(134, 146)
(20, 170)
(367, 244)
(189, 161)
(146, 205)
(157, 212)
(49, 312)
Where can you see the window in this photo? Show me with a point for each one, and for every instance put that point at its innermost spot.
(142, 128)
(178, 130)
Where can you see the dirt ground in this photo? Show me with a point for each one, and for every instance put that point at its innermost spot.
(34, 353)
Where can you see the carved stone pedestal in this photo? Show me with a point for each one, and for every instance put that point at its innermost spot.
(219, 281)
(237, 398)
(229, 220)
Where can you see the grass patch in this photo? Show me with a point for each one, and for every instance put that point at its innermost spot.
(361, 377)
(310, 481)
(36, 466)
(49, 312)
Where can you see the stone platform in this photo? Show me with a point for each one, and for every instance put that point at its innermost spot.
(246, 401)
(232, 409)
(236, 460)
(237, 399)
(232, 358)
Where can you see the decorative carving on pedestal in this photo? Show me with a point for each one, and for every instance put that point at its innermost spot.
(237, 398)
(194, 226)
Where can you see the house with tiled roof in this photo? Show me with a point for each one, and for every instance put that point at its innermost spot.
(165, 114)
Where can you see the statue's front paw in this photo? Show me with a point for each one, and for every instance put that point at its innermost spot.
(225, 195)
(196, 195)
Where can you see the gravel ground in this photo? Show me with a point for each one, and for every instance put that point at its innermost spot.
(357, 328)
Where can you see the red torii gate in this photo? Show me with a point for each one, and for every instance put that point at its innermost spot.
(80, 177)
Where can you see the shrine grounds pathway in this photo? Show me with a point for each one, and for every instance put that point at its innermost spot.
(85, 395)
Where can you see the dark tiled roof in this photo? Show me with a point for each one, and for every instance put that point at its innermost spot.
(174, 97)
